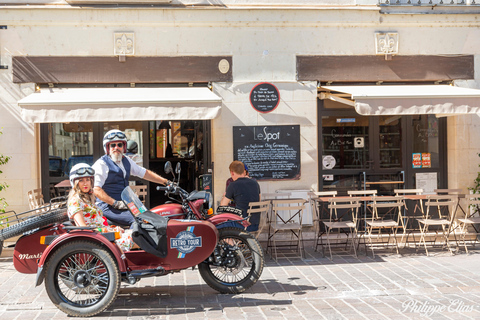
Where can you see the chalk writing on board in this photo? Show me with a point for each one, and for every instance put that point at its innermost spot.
(270, 152)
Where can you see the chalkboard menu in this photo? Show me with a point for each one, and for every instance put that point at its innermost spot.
(264, 97)
(270, 152)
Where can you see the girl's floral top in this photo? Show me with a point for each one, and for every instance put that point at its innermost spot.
(93, 217)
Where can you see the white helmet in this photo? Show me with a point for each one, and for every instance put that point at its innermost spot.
(81, 170)
(112, 136)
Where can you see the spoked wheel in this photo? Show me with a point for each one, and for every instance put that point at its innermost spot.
(82, 278)
(236, 264)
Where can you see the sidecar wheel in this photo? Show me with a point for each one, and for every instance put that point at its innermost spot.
(82, 278)
(241, 262)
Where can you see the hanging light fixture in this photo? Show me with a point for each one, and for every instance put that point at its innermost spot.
(164, 125)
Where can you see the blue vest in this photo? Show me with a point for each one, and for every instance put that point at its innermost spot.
(115, 182)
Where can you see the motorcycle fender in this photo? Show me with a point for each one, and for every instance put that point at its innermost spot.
(76, 235)
(223, 217)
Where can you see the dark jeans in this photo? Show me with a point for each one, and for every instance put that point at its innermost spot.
(118, 217)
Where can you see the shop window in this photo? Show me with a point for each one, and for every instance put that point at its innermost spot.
(345, 142)
(176, 139)
(68, 144)
(390, 141)
(426, 142)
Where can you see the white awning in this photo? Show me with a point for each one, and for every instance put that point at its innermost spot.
(406, 99)
(120, 104)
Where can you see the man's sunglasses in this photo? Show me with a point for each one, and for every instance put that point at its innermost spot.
(82, 171)
(118, 144)
(119, 135)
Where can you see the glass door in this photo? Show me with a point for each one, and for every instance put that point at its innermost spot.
(345, 151)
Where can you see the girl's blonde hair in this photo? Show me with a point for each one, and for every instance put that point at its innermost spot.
(88, 198)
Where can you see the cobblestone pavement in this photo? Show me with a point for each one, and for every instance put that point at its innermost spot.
(410, 286)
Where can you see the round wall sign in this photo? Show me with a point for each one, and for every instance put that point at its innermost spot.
(264, 97)
(328, 162)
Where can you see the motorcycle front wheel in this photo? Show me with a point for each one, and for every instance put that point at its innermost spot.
(236, 264)
(82, 278)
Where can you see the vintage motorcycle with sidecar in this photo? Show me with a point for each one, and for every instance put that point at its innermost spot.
(83, 267)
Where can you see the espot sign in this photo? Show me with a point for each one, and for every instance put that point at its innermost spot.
(264, 97)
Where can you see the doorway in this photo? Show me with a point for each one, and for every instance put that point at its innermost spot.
(379, 152)
(147, 144)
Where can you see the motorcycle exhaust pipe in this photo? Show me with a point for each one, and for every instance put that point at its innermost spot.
(133, 277)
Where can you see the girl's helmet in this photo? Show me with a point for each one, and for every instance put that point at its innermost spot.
(114, 136)
(80, 170)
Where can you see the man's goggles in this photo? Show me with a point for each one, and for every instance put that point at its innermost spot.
(119, 135)
(83, 171)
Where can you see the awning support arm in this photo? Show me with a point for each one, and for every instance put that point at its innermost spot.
(328, 95)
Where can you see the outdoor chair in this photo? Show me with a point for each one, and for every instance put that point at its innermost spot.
(469, 225)
(263, 209)
(321, 213)
(439, 215)
(285, 227)
(141, 192)
(343, 220)
(386, 216)
(410, 215)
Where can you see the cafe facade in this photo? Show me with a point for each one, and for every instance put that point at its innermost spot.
(311, 97)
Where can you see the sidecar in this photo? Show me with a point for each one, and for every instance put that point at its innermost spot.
(83, 268)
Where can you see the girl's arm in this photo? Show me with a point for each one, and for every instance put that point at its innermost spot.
(79, 219)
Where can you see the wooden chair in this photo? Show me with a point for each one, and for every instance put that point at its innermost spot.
(469, 225)
(140, 191)
(261, 208)
(286, 218)
(35, 199)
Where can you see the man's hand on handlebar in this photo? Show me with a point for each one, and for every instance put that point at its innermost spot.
(119, 205)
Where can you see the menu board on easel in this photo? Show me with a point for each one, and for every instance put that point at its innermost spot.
(270, 152)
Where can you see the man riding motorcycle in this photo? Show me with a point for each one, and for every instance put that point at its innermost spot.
(112, 172)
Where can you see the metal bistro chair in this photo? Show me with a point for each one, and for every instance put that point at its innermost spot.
(346, 207)
(388, 218)
(286, 217)
(362, 218)
(411, 216)
(261, 208)
(321, 213)
(444, 205)
(469, 224)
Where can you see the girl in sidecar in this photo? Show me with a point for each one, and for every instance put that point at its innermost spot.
(82, 209)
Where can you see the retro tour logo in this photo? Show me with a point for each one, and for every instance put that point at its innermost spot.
(185, 242)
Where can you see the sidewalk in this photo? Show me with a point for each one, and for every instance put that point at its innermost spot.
(390, 286)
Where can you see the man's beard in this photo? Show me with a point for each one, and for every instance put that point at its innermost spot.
(116, 156)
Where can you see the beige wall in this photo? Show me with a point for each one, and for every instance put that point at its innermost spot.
(263, 43)
(297, 105)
